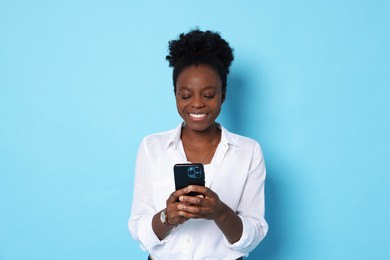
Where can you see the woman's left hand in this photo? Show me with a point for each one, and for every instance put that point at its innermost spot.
(208, 206)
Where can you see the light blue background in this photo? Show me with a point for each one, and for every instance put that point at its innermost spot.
(81, 82)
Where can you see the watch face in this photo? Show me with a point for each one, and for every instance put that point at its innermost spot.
(163, 217)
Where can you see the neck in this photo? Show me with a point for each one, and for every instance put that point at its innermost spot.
(201, 137)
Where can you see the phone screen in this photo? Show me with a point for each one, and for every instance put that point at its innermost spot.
(189, 174)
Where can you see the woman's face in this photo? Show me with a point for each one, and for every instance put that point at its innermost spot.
(199, 97)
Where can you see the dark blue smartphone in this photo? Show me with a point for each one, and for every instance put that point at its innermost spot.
(189, 174)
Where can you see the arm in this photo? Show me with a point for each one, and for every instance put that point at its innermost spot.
(161, 230)
(211, 207)
(143, 208)
(251, 207)
(173, 218)
(249, 212)
(144, 223)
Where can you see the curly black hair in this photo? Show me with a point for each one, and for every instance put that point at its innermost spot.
(200, 48)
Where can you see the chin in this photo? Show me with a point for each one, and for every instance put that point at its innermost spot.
(199, 126)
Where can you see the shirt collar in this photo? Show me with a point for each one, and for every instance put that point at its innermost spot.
(174, 137)
(173, 140)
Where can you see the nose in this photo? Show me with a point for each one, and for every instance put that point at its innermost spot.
(197, 102)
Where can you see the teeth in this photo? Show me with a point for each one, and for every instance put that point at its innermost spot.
(197, 115)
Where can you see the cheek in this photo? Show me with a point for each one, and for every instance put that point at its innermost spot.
(178, 103)
(217, 108)
(218, 104)
(180, 106)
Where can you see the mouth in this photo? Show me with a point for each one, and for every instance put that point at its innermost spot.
(197, 116)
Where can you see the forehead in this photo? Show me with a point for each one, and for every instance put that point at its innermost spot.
(198, 75)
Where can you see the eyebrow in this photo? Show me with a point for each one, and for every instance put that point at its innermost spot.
(180, 88)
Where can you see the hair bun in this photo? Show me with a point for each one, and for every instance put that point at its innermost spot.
(200, 42)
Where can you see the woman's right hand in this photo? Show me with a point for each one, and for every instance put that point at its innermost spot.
(173, 216)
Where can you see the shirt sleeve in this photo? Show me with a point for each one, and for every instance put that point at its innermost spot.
(143, 210)
(252, 206)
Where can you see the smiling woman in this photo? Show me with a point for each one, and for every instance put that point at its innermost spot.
(226, 221)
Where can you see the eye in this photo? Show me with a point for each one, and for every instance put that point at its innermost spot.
(184, 95)
(209, 95)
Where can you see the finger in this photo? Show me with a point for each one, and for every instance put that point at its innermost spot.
(201, 189)
(173, 215)
(191, 200)
(190, 212)
(181, 192)
(172, 198)
(175, 195)
(189, 209)
(188, 215)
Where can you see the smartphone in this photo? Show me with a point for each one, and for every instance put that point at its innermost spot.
(189, 174)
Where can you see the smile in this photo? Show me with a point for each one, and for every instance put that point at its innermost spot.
(197, 116)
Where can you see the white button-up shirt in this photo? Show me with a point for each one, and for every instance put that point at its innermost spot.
(236, 173)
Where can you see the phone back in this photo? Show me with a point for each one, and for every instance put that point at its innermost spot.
(188, 174)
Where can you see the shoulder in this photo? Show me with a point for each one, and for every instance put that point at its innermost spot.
(160, 137)
(164, 138)
(240, 140)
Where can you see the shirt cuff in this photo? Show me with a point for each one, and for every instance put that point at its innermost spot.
(251, 236)
(147, 237)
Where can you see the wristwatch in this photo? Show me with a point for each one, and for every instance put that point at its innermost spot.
(164, 216)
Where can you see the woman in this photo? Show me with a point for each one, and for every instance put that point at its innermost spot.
(227, 220)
